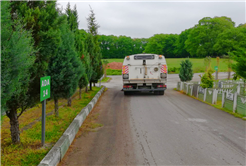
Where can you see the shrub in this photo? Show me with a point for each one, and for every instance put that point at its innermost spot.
(207, 79)
(186, 73)
(173, 70)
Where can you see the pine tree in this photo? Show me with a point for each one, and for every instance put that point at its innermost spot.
(72, 18)
(94, 49)
(16, 61)
(41, 17)
(65, 69)
(186, 73)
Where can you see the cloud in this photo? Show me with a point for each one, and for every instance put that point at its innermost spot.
(144, 19)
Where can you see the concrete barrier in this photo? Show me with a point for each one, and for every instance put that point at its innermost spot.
(63, 145)
(81, 116)
(58, 151)
(52, 158)
(72, 130)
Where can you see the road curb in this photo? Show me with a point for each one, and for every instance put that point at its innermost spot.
(58, 151)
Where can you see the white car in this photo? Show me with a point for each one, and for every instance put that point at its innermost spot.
(144, 72)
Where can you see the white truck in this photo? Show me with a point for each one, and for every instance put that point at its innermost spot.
(144, 72)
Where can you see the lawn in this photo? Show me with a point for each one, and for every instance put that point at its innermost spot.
(198, 64)
(29, 151)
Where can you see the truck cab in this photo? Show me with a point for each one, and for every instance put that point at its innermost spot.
(144, 72)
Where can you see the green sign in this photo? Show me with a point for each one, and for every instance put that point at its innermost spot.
(44, 88)
(216, 68)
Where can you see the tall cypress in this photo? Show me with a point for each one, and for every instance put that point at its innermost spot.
(16, 60)
(94, 49)
(64, 68)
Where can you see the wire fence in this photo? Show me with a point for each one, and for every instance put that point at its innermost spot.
(231, 94)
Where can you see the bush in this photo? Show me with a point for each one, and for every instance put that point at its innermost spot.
(186, 73)
(173, 70)
(207, 79)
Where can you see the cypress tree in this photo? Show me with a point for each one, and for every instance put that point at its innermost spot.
(186, 73)
(72, 18)
(94, 49)
(16, 60)
(42, 18)
(65, 69)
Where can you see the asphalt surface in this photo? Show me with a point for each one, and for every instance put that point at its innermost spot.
(148, 129)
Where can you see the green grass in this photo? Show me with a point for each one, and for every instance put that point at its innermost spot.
(29, 151)
(198, 64)
(113, 72)
(217, 105)
(105, 79)
(114, 60)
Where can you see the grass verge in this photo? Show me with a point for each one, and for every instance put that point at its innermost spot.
(106, 79)
(29, 151)
(198, 64)
(113, 72)
(217, 105)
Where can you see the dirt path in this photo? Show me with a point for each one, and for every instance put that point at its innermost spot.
(115, 65)
(111, 144)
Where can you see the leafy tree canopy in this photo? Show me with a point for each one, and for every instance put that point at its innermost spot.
(203, 36)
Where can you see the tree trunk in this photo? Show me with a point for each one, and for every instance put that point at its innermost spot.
(86, 89)
(80, 91)
(94, 84)
(229, 73)
(90, 85)
(56, 108)
(14, 126)
(69, 102)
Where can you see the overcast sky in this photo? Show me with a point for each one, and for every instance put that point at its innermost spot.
(143, 19)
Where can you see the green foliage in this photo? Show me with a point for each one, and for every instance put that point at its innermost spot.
(41, 17)
(93, 47)
(72, 19)
(203, 36)
(114, 72)
(163, 44)
(207, 79)
(240, 66)
(180, 44)
(65, 67)
(172, 70)
(16, 61)
(186, 73)
(230, 40)
(118, 47)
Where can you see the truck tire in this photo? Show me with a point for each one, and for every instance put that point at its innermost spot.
(126, 93)
(161, 92)
(156, 92)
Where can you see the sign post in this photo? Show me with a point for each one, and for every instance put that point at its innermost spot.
(216, 69)
(44, 94)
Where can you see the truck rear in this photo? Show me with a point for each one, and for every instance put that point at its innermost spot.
(144, 72)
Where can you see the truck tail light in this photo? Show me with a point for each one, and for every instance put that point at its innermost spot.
(161, 86)
(125, 70)
(127, 86)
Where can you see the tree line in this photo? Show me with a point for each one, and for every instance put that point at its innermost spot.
(212, 37)
(118, 47)
(39, 39)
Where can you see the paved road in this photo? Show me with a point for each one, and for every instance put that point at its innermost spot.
(147, 129)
